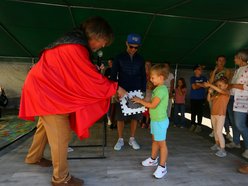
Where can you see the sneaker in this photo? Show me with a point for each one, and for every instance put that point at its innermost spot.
(149, 162)
(233, 145)
(221, 153)
(119, 144)
(211, 134)
(229, 137)
(160, 172)
(133, 143)
(192, 128)
(245, 154)
(72, 182)
(198, 129)
(215, 147)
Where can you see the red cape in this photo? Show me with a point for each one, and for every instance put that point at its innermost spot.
(65, 81)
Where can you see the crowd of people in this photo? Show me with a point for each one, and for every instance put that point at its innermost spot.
(63, 100)
(219, 90)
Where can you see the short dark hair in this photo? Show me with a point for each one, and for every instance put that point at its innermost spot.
(220, 56)
(98, 28)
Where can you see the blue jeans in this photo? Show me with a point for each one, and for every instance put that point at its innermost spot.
(227, 123)
(236, 133)
(179, 108)
(240, 119)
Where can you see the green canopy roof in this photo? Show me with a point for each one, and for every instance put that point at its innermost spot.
(180, 31)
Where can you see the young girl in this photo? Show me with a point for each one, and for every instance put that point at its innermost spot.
(179, 105)
(159, 119)
(219, 102)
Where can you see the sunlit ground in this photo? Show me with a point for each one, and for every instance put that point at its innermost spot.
(207, 122)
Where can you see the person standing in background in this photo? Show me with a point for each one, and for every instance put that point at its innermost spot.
(169, 83)
(219, 101)
(197, 98)
(239, 104)
(219, 71)
(129, 71)
(107, 72)
(179, 103)
(110, 112)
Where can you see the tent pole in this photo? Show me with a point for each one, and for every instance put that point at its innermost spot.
(166, 9)
(70, 12)
(148, 28)
(203, 41)
(175, 77)
(132, 11)
(39, 3)
(16, 41)
(72, 17)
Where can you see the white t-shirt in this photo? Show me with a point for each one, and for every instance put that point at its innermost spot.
(167, 82)
(240, 96)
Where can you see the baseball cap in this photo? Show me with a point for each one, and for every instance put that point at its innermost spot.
(196, 67)
(134, 39)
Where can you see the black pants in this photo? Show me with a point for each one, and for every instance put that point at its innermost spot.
(197, 106)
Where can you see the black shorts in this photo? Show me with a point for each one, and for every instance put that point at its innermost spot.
(119, 116)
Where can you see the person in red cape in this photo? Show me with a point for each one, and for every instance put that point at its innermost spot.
(67, 92)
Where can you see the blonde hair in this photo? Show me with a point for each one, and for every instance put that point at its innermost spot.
(161, 70)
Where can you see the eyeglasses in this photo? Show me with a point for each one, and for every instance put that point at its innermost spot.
(131, 47)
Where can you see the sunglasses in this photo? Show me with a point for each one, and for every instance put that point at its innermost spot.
(135, 47)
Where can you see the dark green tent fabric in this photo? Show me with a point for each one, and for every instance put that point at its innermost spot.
(179, 31)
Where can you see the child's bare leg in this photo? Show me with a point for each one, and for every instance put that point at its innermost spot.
(163, 152)
(155, 148)
(219, 128)
(214, 125)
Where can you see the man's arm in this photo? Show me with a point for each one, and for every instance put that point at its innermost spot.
(197, 86)
(237, 86)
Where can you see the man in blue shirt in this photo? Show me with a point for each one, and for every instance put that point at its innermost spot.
(197, 98)
(129, 70)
